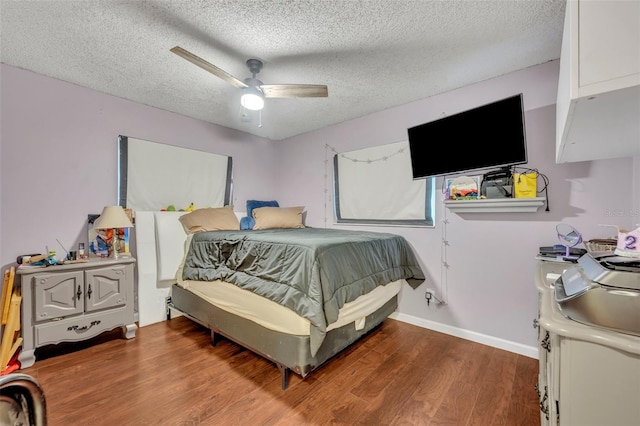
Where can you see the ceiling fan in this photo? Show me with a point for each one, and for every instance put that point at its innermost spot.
(254, 91)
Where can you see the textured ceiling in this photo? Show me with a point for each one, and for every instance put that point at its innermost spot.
(372, 55)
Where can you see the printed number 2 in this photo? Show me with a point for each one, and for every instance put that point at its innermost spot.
(630, 242)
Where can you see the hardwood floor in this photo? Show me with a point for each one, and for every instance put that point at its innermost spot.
(399, 374)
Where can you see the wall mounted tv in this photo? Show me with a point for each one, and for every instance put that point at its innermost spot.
(489, 136)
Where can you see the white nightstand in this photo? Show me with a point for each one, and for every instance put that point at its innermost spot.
(74, 302)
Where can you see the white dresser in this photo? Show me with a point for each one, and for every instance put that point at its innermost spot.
(588, 375)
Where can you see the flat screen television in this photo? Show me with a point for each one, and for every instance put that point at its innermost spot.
(486, 137)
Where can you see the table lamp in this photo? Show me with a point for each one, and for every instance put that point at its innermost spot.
(113, 217)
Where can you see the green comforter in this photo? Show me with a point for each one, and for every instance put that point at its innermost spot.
(312, 271)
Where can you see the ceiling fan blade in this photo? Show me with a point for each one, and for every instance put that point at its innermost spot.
(294, 90)
(208, 67)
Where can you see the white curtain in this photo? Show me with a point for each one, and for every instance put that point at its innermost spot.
(376, 183)
(159, 175)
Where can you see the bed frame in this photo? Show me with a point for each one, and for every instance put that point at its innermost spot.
(289, 352)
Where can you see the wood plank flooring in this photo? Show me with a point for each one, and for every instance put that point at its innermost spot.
(169, 374)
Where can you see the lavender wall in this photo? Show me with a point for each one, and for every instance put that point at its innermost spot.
(489, 284)
(59, 157)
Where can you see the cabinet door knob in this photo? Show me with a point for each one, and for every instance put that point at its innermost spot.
(79, 292)
(89, 291)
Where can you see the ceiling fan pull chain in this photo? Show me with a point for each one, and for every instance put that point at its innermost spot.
(260, 118)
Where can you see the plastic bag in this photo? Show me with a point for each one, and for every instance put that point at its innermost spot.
(525, 184)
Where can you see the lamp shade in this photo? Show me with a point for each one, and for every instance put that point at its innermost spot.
(252, 99)
(113, 217)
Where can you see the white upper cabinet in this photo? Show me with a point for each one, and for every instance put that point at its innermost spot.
(598, 105)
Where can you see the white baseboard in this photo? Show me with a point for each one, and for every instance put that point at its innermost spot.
(518, 348)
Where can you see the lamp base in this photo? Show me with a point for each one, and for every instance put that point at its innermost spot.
(115, 254)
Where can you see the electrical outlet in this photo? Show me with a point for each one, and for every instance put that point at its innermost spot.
(430, 295)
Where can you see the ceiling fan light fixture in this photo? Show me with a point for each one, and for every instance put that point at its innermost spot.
(252, 99)
(253, 91)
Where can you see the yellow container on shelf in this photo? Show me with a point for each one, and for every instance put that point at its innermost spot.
(525, 185)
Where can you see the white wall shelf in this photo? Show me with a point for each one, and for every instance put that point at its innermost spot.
(496, 205)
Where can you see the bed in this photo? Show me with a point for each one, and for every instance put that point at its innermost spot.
(295, 296)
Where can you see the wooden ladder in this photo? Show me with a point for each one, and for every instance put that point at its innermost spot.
(10, 322)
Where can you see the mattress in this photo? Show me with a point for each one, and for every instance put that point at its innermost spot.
(276, 317)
